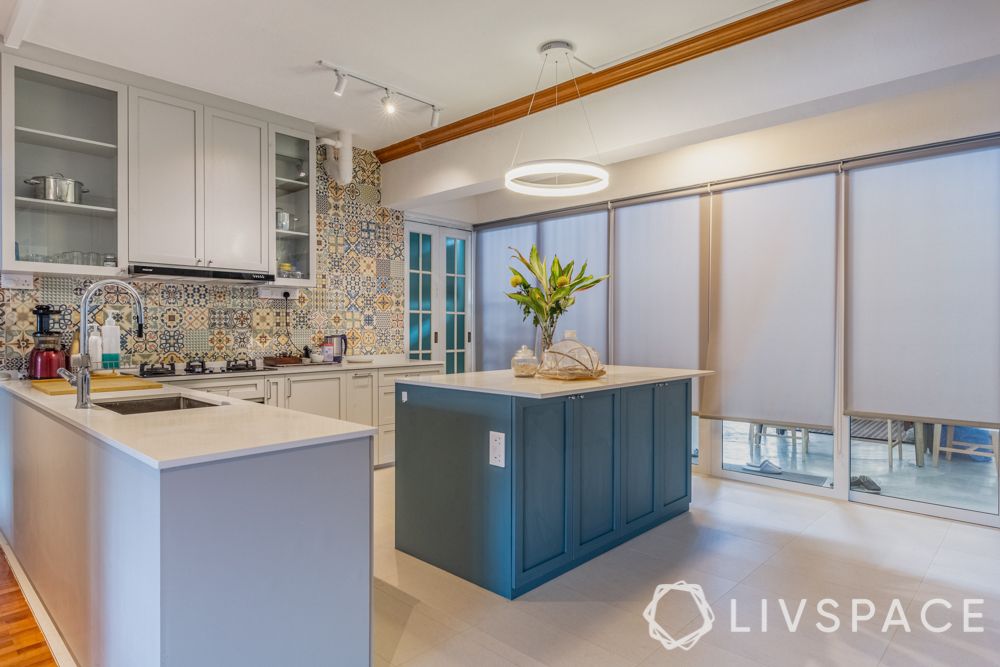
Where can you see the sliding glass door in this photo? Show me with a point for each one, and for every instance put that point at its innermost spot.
(923, 330)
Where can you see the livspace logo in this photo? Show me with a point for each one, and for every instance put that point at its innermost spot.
(861, 614)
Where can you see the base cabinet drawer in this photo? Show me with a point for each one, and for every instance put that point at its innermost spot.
(386, 406)
(247, 389)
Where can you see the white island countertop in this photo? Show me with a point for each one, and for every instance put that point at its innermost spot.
(503, 382)
(230, 429)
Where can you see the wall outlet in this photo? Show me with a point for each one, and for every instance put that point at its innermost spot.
(497, 456)
(278, 293)
(405, 397)
(17, 281)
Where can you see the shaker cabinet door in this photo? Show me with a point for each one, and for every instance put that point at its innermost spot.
(166, 158)
(362, 402)
(236, 192)
(596, 470)
(673, 443)
(316, 393)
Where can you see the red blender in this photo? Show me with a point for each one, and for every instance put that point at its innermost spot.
(48, 355)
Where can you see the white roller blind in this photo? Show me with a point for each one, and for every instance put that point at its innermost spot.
(499, 319)
(923, 288)
(582, 238)
(772, 303)
(656, 284)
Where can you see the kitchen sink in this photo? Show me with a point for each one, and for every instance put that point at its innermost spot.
(140, 406)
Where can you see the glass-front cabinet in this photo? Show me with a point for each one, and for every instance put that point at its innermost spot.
(64, 170)
(293, 164)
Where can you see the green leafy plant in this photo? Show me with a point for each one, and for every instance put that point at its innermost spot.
(551, 291)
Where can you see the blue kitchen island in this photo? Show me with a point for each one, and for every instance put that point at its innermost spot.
(508, 482)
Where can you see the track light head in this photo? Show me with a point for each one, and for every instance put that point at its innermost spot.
(388, 103)
(435, 117)
(338, 89)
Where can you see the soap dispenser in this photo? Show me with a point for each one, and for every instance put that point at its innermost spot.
(111, 344)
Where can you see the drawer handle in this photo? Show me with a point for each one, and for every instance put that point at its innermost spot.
(362, 375)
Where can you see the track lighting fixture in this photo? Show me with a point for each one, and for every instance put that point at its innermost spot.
(338, 90)
(389, 101)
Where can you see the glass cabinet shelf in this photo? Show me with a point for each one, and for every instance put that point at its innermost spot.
(290, 185)
(46, 205)
(293, 163)
(64, 142)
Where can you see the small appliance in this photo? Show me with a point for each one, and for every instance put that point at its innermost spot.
(48, 355)
(334, 348)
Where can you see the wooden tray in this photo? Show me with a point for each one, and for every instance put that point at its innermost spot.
(98, 383)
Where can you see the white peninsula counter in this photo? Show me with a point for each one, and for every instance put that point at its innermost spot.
(230, 534)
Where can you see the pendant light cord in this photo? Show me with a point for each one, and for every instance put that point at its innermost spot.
(583, 107)
(531, 103)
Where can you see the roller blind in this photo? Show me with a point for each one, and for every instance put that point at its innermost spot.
(582, 238)
(923, 288)
(772, 303)
(499, 319)
(656, 284)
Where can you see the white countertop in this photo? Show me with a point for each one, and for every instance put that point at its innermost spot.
(177, 438)
(376, 363)
(504, 382)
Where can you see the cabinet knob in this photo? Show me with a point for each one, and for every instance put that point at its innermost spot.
(210, 262)
(197, 260)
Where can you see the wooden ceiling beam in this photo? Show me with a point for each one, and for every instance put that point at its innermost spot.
(717, 39)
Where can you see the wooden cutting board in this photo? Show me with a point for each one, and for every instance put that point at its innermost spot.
(98, 383)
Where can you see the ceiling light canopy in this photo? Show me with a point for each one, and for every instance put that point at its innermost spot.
(556, 177)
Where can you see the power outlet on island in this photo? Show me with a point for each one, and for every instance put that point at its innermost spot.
(497, 457)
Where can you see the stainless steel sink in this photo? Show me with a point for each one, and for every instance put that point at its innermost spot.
(138, 406)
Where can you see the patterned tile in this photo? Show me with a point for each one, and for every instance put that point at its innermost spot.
(359, 292)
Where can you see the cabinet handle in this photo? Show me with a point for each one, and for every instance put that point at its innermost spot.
(362, 375)
(267, 391)
(210, 262)
(435, 337)
(288, 387)
(197, 260)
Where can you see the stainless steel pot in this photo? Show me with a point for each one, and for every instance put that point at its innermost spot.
(57, 188)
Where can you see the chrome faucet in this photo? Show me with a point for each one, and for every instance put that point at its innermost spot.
(81, 379)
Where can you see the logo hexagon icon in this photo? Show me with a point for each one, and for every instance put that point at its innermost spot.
(688, 641)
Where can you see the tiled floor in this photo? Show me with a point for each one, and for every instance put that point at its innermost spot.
(739, 542)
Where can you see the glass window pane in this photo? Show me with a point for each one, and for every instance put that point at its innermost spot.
(425, 332)
(460, 295)
(460, 362)
(460, 331)
(449, 255)
(425, 289)
(414, 251)
(414, 332)
(460, 256)
(450, 329)
(449, 363)
(425, 252)
(414, 291)
(449, 305)
(426, 356)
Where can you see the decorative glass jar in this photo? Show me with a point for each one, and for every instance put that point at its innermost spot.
(524, 363)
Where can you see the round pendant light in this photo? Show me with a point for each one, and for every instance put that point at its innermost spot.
(557, 178)
(561, 177)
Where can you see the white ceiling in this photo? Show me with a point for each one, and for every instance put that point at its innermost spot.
(463, 56)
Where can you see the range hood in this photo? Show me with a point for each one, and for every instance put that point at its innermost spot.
(152, 271)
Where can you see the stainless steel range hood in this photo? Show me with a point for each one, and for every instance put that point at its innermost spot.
(154, 272)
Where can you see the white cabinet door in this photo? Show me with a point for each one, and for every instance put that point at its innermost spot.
(274, 391)
(236, 192)
(362, 401)
(166, 160)
(316, 393)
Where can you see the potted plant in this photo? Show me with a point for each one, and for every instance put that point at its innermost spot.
(551, 291)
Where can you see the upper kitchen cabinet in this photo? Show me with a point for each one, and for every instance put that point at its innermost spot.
(198, 179)
(166, 187)
(293, 202)
(63, 171)
(236, 193)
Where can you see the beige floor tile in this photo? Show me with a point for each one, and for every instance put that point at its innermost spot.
(547, 643)
(459, 651)
(703, 654)
(973, 539)
(922, 648)
(610, 627)
(405, 630)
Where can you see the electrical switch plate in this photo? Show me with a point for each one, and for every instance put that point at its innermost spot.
(17, 281)
(405, 397)
(497, 457)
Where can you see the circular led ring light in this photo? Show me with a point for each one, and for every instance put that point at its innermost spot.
(554, 168)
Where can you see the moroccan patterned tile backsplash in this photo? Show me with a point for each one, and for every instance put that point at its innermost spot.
(359, 291)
